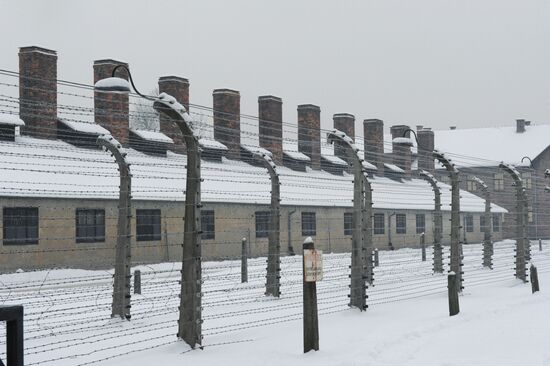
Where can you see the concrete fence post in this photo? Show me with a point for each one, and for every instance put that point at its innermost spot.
(376, 258)
(190, 309)
(273, 286)
(452, 285)
(521, 222)
(121, 284)
(438, 222)
(423, 246)
(456, 246)
(487, 242)
(361, 266)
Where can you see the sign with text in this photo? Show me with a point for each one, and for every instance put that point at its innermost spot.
(313, 265)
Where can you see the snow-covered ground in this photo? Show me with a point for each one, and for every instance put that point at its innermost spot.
(67, 315)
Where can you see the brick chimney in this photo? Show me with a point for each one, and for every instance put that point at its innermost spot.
(346, 123)
(227, 120)
(111, 109)
(520, 125)
(38, 91)
(309, 133)
(270, 113)
(401, 154)
(373, 132)
(426, 146)
(179, 89)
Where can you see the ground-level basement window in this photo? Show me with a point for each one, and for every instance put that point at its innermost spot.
(309, 224)
(262, 224)
(348, 223)
(20, 225)
(400, 224)
(147, 225)
(90, 225)
(208, 224)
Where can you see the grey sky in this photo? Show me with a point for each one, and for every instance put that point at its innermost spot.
(432, 62)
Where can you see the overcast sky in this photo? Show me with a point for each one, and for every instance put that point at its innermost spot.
(432, 62)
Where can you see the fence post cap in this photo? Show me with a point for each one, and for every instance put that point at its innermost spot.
(308, 240)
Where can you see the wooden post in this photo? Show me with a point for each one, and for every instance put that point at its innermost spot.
(244, 262)
(452, 284)
(137, 282)
(311, 320)
(534, 279)
(423, 246)
(121, 286)
(13, 316)
(376, 259)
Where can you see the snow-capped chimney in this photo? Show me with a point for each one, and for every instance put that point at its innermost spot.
(344, 122)
(426, 145)
(452, 128)
(178, 88)
(270, 113)
(520, 125)
(309, 133)
(111, 109)
(38, 91)
(373, 132)
(401, 153)
(227, 120)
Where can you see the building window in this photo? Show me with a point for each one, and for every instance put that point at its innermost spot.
(400, 224)
(527, 181)
(469, 223)
(20, 225)
(482, 223)
(420, 223)
(208, 225)
(262, 223)
(309, 225)
(496, 223)
(90, 225)
(147, 225)
(499, 182)
(471, 185)
(379, 224)
(348, 223)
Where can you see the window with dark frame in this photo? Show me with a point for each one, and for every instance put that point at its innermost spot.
(469, 223)
(309, 224)
(420, 223)
(348, 223)
(496, 223)
(379, 224)
(20, 225)
(400, 223)
(90, 225)
(482, 223)
(262, 223)
(498, 182)
(147, 224)
(208, 225)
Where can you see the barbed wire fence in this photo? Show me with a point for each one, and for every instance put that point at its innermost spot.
(68, 312)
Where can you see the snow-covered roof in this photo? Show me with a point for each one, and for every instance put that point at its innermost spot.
(85, 127)
(491, 145)
(154, 136)
(394, 168)
(11, 119)
(212, 144)
(52, 168)
(256, 149)
(334, 160)
(296, 155)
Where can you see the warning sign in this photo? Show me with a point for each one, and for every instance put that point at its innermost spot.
(313, 265)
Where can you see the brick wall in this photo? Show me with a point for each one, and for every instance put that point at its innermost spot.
(179, 89)
(270, 113)
(227, 120)
(309, 133)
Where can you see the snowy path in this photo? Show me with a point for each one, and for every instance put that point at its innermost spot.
(67, 315)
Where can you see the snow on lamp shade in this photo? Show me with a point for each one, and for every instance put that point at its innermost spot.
(112, 85)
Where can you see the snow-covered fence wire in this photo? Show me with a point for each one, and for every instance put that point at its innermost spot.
(68, 309)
